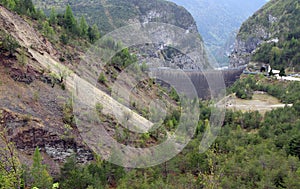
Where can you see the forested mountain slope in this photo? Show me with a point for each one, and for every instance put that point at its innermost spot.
(271, 35)
(112, 14)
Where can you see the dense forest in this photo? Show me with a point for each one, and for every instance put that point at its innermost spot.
(64, 25)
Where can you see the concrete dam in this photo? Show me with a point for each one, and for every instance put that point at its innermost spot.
(206, 84)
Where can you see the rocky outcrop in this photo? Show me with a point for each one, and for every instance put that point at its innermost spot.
(165, 12)
(246, 44)
(28, 132)
(160, 55)
(243, 50)
(116, 14)
(274, 25)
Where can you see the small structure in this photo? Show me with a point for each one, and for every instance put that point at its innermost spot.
(276, 72)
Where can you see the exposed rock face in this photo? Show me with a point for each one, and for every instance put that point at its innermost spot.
(274, 25)
(159, 55)
(28, 132)
(245, 45)
(243, 50)
(31, 110)
(109, 17)
(112, 14)
(165, 12)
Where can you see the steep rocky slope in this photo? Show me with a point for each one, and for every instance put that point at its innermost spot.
(36, 112)
(31, 109)
(271, 35)
(112, 14)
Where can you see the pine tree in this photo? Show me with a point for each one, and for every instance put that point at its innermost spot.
(10, 4)
(53, 17)
(70, 22)
(25, 7)
(48, 31)
(93, 33)
(83, 27)
(40, 175)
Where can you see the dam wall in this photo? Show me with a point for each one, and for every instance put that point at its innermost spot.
(207, 84)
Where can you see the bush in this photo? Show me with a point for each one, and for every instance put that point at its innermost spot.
(68, 116)
(102, 79)
(244, 94)
(99, 107)
(9, 44)
(64, 39)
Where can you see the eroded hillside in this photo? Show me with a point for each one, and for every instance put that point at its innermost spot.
(36, 109)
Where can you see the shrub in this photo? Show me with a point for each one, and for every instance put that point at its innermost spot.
(102, 79)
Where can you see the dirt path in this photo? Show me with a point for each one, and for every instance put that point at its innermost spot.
(261, 102)
(44, 55)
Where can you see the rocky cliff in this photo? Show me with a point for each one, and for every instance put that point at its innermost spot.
(110, 15)
(271, 36)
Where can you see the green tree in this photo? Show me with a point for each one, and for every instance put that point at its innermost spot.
(70, 22)
(64, 39)
(73, 175)
(294, 146)
(68, 116)
(10, 166)
(22, 58)
(39, 173)
(25, 7)
(48, 31)
(9, 44)
(93, 33)
(10, 4)
(282, 72)
(144, 67)
(83, 27)
(38, 15)
(53, 17)
(102, 79)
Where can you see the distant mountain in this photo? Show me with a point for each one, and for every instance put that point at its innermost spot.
(112, 14)
(271, 35)
(219, 20)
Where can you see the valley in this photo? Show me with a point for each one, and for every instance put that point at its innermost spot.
(96, 95)
(218, 23)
